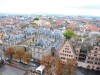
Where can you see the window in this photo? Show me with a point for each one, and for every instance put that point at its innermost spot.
(65, 54)
(62, 58)
(95, 63)
(60, 53)
(88, 57)
(71, 55)
(92, 58)
(90, 62)
(95, 51)
(63, 50)
(98, 63)
(88, 66)
(67, 46)
(95, 55)
(96, 58)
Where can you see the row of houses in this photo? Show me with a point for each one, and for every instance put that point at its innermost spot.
(86, 56)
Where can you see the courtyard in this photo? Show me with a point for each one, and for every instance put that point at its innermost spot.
(9, 70)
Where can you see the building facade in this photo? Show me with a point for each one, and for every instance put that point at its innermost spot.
(86, 56)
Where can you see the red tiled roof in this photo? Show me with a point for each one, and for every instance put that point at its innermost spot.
(59, 22)
(71, 26)
(91, 27)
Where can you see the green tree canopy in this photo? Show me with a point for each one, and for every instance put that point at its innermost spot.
(36, 19)
(69, 33)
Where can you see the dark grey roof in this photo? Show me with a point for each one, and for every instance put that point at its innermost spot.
(29, 31)
(56, 45)
(42, 42)
(98, 42)
(56, 34)
(84, 48)
(12, 37)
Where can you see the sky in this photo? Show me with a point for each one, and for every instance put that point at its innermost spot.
(65, 7)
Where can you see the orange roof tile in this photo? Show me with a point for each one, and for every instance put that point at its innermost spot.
(91, 27)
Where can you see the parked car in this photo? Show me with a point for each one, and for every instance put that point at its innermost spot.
(32, 60)
(36, 61)
(6, 59)
(33, 65)
(25, 63)
(17, 60)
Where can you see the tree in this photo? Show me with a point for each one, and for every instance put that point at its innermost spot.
(58, 69)
(10, 52)
(19, 53)
(48, 61)
(1, 74)
(53, 22)
(69, 33)
(27, 57)
(70, 66)
(35, 19)
(98, 36)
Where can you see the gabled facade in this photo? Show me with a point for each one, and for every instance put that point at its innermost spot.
(67, 52)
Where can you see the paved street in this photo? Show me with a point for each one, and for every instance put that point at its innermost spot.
(8, 70)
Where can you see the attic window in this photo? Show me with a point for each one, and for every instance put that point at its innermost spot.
(67, 46)
(71, 55)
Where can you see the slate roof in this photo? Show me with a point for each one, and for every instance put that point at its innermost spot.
(43, 43)
(52, 34)
(56, 34)
(29, 31)
(56, 45)
(12, 37)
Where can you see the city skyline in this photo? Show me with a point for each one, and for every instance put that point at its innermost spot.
(64, 7)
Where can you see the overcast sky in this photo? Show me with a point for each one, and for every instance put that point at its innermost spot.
(68, 7)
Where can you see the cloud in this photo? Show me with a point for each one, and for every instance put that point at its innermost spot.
(73, 7)
(89, 7)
